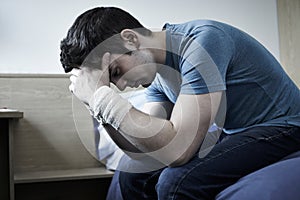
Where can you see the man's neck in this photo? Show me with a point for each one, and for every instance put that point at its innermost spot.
(156, 43)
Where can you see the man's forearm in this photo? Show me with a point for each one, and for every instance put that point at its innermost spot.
(122, 142)
(169, 141)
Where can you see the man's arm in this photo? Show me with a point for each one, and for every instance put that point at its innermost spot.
(159, 109)
(176, 140)
(172, 142)
(156, 109)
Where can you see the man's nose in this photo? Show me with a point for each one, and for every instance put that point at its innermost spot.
(121, 84)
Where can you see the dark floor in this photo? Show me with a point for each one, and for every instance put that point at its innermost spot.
(90, 189)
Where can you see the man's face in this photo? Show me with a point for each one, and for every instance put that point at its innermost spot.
(132, 70)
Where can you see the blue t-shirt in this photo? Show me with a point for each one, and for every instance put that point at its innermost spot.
(207, 56)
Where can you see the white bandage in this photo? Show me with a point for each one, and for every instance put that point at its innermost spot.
(109, 107)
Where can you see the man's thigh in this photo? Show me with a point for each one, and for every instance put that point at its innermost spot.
(229, 160)
(233, 158)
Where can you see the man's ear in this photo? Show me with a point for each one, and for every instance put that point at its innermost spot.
(130, 38)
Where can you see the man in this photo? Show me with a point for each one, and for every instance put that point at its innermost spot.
(196, 73)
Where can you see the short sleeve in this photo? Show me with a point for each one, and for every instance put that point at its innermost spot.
(205, 57)
(154, 93)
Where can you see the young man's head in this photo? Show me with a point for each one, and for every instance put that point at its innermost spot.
(92, 28)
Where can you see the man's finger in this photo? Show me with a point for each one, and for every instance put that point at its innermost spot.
(71, 88)
(75, 71)
(105, 61)
(105, 68)
(73, 79)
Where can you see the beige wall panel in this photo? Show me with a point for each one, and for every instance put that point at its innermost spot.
(289, 37)
(47, 137)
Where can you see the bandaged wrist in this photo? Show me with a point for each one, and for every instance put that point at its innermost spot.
(109, 107)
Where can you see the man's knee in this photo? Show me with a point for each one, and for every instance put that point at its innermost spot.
(169, 185)
(176, 183)
(126, 180)
(138, 184)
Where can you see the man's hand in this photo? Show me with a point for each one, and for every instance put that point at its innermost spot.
(85, 81)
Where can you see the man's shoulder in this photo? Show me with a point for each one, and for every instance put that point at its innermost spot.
(194, 24)
(201, 28)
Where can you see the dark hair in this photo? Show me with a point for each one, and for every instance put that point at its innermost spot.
(93, 27)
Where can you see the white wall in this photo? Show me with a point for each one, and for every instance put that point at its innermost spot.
(31, 30)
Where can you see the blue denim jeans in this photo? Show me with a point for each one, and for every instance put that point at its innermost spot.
(203, 178)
